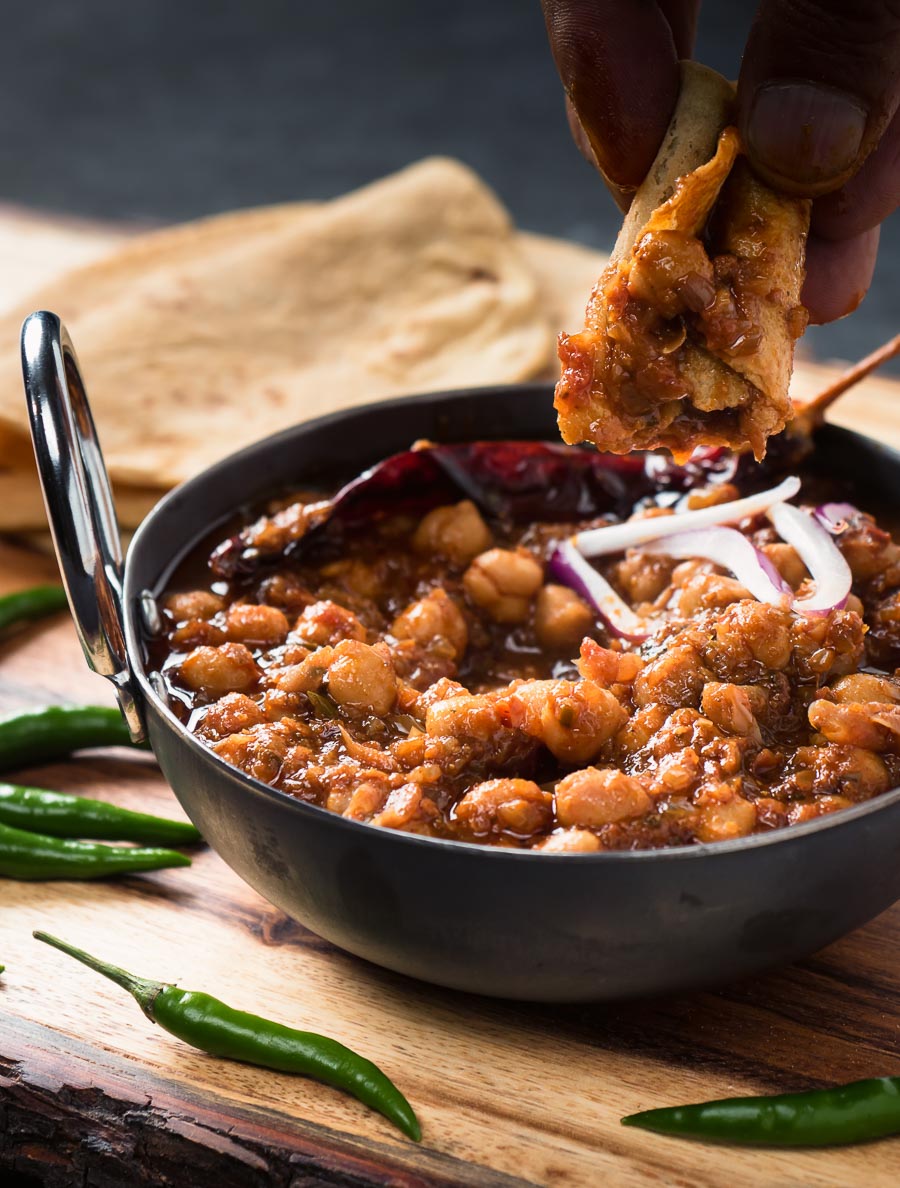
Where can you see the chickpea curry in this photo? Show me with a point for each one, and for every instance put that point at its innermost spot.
(430, 665)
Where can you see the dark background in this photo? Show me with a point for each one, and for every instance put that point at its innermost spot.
(153, 111)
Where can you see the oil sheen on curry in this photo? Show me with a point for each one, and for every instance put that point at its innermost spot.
(533, 646)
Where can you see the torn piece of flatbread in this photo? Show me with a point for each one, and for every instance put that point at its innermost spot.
(690, 330)
(198, 340)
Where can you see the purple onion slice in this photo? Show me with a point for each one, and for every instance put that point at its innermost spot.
(618, 537)
(819, 554)
(732, 551)
(837, 517)
(571, 569)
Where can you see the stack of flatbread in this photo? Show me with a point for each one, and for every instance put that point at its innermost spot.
(196, 340)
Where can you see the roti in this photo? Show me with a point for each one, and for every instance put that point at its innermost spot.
(198, 340)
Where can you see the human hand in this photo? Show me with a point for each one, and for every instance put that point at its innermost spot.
(817, 108)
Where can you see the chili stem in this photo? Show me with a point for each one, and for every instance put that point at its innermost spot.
(142, 989)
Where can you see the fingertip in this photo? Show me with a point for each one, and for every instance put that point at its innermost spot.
(622, 195)
(838, 275)
(868, 197)
(803, 137)
(619, 68)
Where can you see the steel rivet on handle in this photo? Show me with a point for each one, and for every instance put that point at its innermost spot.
(150, 616)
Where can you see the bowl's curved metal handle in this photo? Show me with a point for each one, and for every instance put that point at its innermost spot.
(79, 503)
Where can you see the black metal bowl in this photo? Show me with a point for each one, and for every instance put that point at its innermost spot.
(548, 927)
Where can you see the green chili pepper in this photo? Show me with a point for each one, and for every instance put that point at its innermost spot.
(31, 604)
(62, 815)
(208, 1024)
(34, 856)
(825, 1117)
(55, 731)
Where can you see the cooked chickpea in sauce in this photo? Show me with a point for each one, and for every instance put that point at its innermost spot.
(430, 673)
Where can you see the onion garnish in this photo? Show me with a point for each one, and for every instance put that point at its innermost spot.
(819, 554)
(732, 551)
(836, 517)
(617, 537)
(568, 566)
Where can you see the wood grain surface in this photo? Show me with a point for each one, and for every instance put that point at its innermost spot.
(92, 1094)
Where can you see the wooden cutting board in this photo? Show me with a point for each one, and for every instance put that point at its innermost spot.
(91, 1093)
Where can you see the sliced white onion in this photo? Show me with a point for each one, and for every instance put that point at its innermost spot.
(835, 517)
(733, 551)
(617, 537)
(819, 554)
(568, 566)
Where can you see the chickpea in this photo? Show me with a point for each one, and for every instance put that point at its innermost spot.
(590, 798)
(820, 807)
(198, 604)
(851, 771)
(758, 629)
(639, 729)
(706, 591)
(456, 532)
(326, 622)
(366, 799)
(678, 771)
(711, 495)
(511, 805)
(867, 549)
(276, 704)
(401, 807)
(307, 674)
(249, 623)
(285, 591)
(231, 713)
(195, 632)
(866, 773)
(787, 561)
(570, 841)
(561, 618)
(871, 725)
(607, 667)
(671, 272)
(642, 577)
(725, 819)
(675, 678)
(442, 689)
(217, 671)
(436, 616)
(865, 686)
(359, 677)
(729, 707)
(355, 575)
(572, 719)
(503, 583)
(259, 750)
(464, 716)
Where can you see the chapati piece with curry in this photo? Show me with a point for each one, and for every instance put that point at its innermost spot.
(689, 332)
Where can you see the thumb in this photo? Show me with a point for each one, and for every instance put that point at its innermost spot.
(820, 81)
